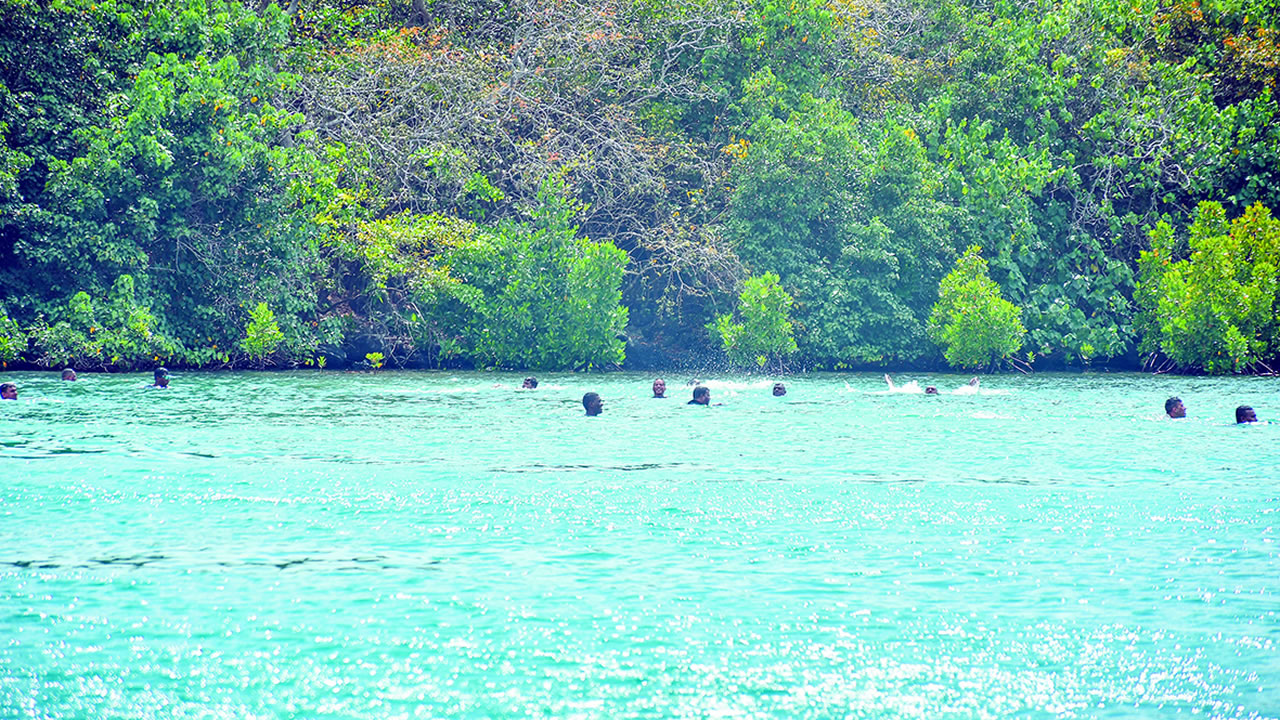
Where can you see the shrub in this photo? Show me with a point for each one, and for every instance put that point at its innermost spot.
(533, 294)
(1215, 309)
(973, 323)
(262, 334)
(116, 333)
(764, 333)
(13, 341)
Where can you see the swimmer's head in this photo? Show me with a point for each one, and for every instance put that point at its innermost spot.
(8, 391)
(930, 390)
(701, 396)
(592, 403)
(1174, 408)
(779, 389)
(659, 387)
(162, 377)
(1245, 414)
(69, 374)
(530, 383)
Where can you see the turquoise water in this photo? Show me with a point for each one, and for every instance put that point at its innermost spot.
(402, 545)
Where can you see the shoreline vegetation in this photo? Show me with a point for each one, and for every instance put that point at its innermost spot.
(740, 184)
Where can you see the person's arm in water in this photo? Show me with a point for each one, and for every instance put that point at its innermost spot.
(889, 380)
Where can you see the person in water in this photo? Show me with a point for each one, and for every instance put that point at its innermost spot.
(1245, 415)
(1174, 409)
(162, 379)
(530, 383)
(967, 388)
(592, 403)
(659, 388)
(69, 374)
(701, 396)
(779, 389)
(8, 391)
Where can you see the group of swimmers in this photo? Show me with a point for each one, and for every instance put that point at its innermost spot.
(9, 391)
(594, 404)
(1174, 408)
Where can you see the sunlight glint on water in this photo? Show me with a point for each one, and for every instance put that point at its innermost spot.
(443, 545)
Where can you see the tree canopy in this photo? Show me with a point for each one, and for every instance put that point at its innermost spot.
(215, 183)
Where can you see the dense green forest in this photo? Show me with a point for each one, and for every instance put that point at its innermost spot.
(567, 184)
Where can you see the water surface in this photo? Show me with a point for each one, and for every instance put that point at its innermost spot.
(330, 545)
